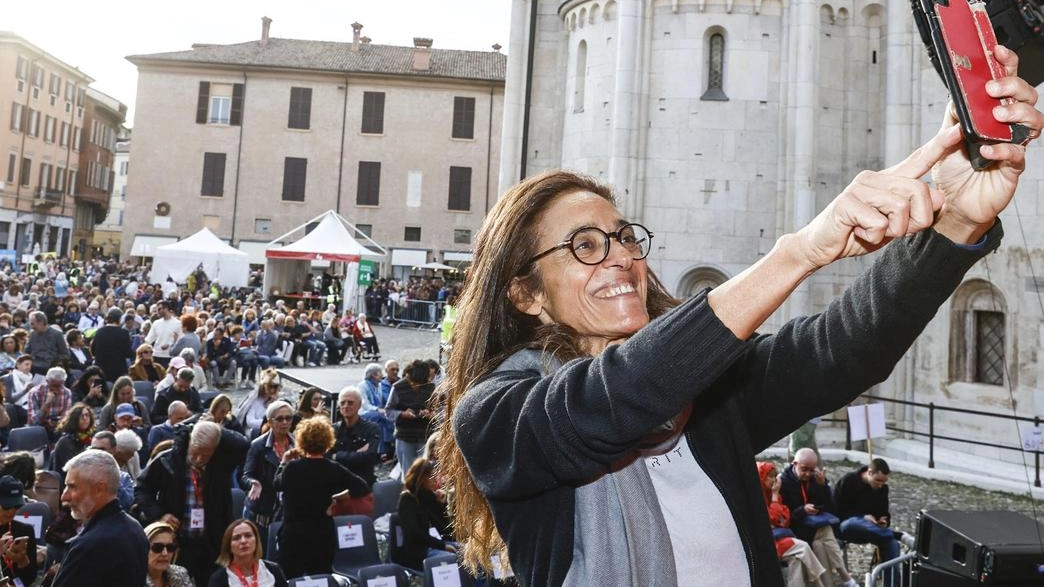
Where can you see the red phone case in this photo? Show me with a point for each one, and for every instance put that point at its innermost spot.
(969, 38)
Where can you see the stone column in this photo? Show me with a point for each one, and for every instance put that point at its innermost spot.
(626, 104)
(900, 131)
(514, 95)
(801, 134)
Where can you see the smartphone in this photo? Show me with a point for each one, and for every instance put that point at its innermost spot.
(960, 41)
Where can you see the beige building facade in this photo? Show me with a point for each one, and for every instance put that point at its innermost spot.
(254, 139)
(44, 101)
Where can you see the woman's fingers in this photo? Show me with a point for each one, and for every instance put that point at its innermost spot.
(902, 205)
(920, 162)
(1008, 58)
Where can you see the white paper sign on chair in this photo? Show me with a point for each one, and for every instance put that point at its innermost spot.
(381, 582)
(312, 583)
(446, 575)
(350, 536)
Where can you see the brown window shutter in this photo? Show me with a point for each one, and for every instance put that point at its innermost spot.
(236, 115)
(203, 103)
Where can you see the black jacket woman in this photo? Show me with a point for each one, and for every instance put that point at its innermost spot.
(309, 481)
(262, 460)
(421, 508)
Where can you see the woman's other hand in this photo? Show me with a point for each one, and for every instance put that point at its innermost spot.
(973, 199)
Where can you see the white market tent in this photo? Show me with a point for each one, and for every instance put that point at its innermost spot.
(287, 267)
(222, 263)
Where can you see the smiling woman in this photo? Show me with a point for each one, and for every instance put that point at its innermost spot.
(597, 429)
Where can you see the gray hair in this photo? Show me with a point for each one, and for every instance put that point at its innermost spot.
(275, 407)
(173, 407)
(38, 316)
(96, 466)
(56, 374)
(107, 437)
(351, 390)
(188, 354)
(373, 368)
(205, 434)
(128, 440)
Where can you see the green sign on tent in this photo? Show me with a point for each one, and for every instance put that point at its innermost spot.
(366, 271)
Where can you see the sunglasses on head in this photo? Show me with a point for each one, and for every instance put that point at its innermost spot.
(158, 547)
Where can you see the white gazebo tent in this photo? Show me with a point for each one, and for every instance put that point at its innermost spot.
(287, 267)
(222, 263)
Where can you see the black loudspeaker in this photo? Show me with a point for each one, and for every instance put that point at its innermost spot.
(1003, 549)
(1019, 25)
(924, 575)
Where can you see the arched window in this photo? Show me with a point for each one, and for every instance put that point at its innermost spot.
(698, 279)
(715, 68)
(977, 334)
(580, 77)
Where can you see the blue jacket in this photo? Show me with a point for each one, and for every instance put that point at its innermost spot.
(111, 551)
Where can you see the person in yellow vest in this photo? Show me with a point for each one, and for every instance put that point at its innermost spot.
(449, 318)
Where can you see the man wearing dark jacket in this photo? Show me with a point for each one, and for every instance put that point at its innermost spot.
(190, 488)
(111, 550)
(111, 346)
(862, 506)
(806, 491)
(355, 440)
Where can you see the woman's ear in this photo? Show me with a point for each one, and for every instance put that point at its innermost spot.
(524, 299)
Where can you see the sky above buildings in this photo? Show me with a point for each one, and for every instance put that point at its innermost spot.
(96, 37)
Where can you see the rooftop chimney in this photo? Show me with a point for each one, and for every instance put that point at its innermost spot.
(356, 29)
(365, 40)
(266, 23)
(497, 47)
(421, 54)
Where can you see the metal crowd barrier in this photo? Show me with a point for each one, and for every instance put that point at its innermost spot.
(898, 568)
(419, 313)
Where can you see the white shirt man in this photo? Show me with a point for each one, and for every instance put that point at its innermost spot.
(164, 333)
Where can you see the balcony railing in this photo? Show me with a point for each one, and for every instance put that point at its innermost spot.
(48, 197)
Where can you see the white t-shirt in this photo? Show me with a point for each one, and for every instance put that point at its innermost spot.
(707, 548)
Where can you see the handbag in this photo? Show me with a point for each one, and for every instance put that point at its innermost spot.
(345, 505)
(781, 533)
(821, 519)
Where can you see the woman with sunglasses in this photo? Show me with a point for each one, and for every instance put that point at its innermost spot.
(240, 560)
(144, 369)
(262, 460)
(163, 551)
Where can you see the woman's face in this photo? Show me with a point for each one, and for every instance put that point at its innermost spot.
(160, 561)
(85, 420)
(602, 302)
(219, 413)
(243, 541)
(8, 346)
(281, 420)
(317, 401)
(125, 395)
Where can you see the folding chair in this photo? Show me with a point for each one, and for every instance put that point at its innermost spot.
(356, 545)
(145, 389)
(272, 545)
(402, 578)
(443, 565)
(205, 397)
(238, 499)
(28, 438)
(36, 514)
(146, 401)
(48, 489)
(386, 497)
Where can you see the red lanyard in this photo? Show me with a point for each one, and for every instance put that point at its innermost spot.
(279, 450)
(804, 495)
(195, 486)
(7, 560)
(242, 578)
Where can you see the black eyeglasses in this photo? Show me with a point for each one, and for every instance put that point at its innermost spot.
(590, 245)
(158, 547)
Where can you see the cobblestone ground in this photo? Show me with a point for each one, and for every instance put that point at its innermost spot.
(909, 494)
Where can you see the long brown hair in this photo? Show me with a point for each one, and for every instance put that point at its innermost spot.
(491, 329)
